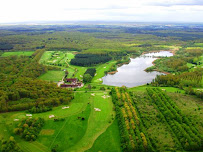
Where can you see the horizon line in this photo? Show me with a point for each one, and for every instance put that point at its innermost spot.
(94, 21)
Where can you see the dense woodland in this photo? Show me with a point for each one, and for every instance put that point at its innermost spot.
(89, 74)
(89, 59)
(21, 90)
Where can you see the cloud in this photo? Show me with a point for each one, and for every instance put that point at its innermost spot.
(169, 3)
(103, 10)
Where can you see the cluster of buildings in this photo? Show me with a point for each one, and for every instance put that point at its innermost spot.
(71, 83)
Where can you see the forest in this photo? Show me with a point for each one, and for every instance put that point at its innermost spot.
(89, 59)
(21, 90)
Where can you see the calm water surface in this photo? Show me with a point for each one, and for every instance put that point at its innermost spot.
(133, 74)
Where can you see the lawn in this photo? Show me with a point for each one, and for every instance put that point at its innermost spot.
(199, 44)
(27, 53)
(100, 69)
(108, 141)
(67, 133)
(98, 121)
(167, 89)
(72, 134)
(52, 75)
(45, 57)
(62, 60)
(56, 58)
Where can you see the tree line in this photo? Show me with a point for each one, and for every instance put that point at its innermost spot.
(89, 59)
(132, 132)
(185, 81)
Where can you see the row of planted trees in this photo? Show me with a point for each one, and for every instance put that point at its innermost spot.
(133, 136)
(185, 131)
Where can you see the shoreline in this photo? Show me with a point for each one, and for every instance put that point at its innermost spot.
(157, 69)
(164, 72)
(160, 70)
(171, 51)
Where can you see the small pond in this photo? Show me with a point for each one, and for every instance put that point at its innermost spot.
(133, 74)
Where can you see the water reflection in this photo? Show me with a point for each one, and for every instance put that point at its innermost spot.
(133, 74)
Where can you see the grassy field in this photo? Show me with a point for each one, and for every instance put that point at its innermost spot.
(72, 134)
(108, 141)
(62, 60)
(52, 75)
(199, 44)
(27, 53)
(167, 89)
(100, 69)
(57, 57)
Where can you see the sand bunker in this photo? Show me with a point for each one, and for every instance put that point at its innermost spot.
(51, 116)
(29, 115)
(65, 107)
(97, 109)
(105, 96)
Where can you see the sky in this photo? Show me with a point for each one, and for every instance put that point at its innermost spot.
(12, 11)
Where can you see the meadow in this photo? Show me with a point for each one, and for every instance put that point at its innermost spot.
(61, 60)
(73, 133)
(24, 53)
(52, 76)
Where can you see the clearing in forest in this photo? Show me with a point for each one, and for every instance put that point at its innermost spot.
(26, 53)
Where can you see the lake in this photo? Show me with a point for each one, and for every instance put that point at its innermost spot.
(133, 74)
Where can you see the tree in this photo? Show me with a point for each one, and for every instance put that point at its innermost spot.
(87, 78)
